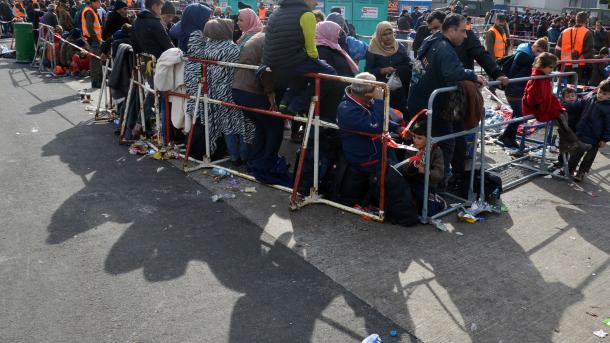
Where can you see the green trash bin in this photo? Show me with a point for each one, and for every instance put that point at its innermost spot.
(24, 42)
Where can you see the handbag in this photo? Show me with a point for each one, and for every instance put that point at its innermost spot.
(394, 82)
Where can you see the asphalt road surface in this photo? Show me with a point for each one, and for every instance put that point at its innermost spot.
(97, 245)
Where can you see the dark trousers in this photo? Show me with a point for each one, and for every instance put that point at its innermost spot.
(300, 89)
(586, 163)
(458, 162)
(269, 130)
(442, 127)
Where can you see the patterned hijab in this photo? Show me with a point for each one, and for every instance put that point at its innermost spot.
(219, 29)
(377, 46)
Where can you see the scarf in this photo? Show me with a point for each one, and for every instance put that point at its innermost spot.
(252, 23)
(219, 29)
(377, 47)
(327, 34)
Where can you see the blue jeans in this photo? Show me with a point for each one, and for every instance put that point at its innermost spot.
(237, 147)
(300, 90)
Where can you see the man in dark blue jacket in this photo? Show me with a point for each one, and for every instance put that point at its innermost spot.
(438, 65)
(362, 110)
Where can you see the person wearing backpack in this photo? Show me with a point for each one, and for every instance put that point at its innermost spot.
(520, 66)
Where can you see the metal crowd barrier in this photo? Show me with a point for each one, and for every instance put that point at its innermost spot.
(313, 120)
(480, 130)
(143, 86)
(46, 40)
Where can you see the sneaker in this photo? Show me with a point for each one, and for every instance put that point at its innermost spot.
(508, 142)
(579, 177)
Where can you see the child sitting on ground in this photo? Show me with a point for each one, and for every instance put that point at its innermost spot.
(415, 169)
(593, 128)
(540, 101)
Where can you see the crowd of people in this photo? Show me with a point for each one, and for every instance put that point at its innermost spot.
(293, 40)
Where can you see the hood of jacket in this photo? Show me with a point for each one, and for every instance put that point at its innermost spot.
(526, 48)
(194, 18)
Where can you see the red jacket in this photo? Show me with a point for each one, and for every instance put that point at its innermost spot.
(539, 99)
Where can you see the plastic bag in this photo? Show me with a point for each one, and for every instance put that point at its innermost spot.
(394, 82)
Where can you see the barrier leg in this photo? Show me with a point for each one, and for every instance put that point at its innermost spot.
(125, 113)
(190, 139)
(102, 91)
(482, 189)
(384, 152)
(297, 179)
(141, 97)
(473, 168)
(316, 142)
(424, 211)
(158, 119)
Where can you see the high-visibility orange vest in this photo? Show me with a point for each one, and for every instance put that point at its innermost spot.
(96, 23)
(19, 10)
(572, 39)
(262, 13)
(499, 43)
(129, 3)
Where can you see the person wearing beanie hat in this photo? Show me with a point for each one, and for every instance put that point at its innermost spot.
(168, 12)
(115, 19)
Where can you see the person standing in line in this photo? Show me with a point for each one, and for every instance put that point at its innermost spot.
(91, 27)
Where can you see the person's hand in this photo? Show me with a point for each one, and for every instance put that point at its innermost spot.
(482, 80)
(103, 57)
(421, 168)
(273, 106)
(503, 80)
(602, 144)
(387, 70)
(376, 94)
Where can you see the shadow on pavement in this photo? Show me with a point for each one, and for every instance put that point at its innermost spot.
(172, 222)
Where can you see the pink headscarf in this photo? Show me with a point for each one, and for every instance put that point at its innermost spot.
(327, 34)
(252, 21)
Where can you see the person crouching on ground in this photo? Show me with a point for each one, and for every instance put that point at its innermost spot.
(594, 129)
(539, 100)
(415, 170)
(362, 109)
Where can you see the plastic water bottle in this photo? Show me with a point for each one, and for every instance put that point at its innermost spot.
(218, 197)
(374, 338)
(220, 172)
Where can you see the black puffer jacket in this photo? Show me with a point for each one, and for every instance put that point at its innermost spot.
(284, 41)
(149, 35)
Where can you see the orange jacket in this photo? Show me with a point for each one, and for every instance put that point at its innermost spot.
(97, 27)
(572, 40)
(499, 48)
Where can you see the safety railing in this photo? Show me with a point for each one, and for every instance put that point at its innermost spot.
(312, 121)
(480, 130)
(45, 50)
(141, 86)
(46, 40)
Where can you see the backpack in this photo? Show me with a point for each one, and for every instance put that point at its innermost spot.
(505, 63)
